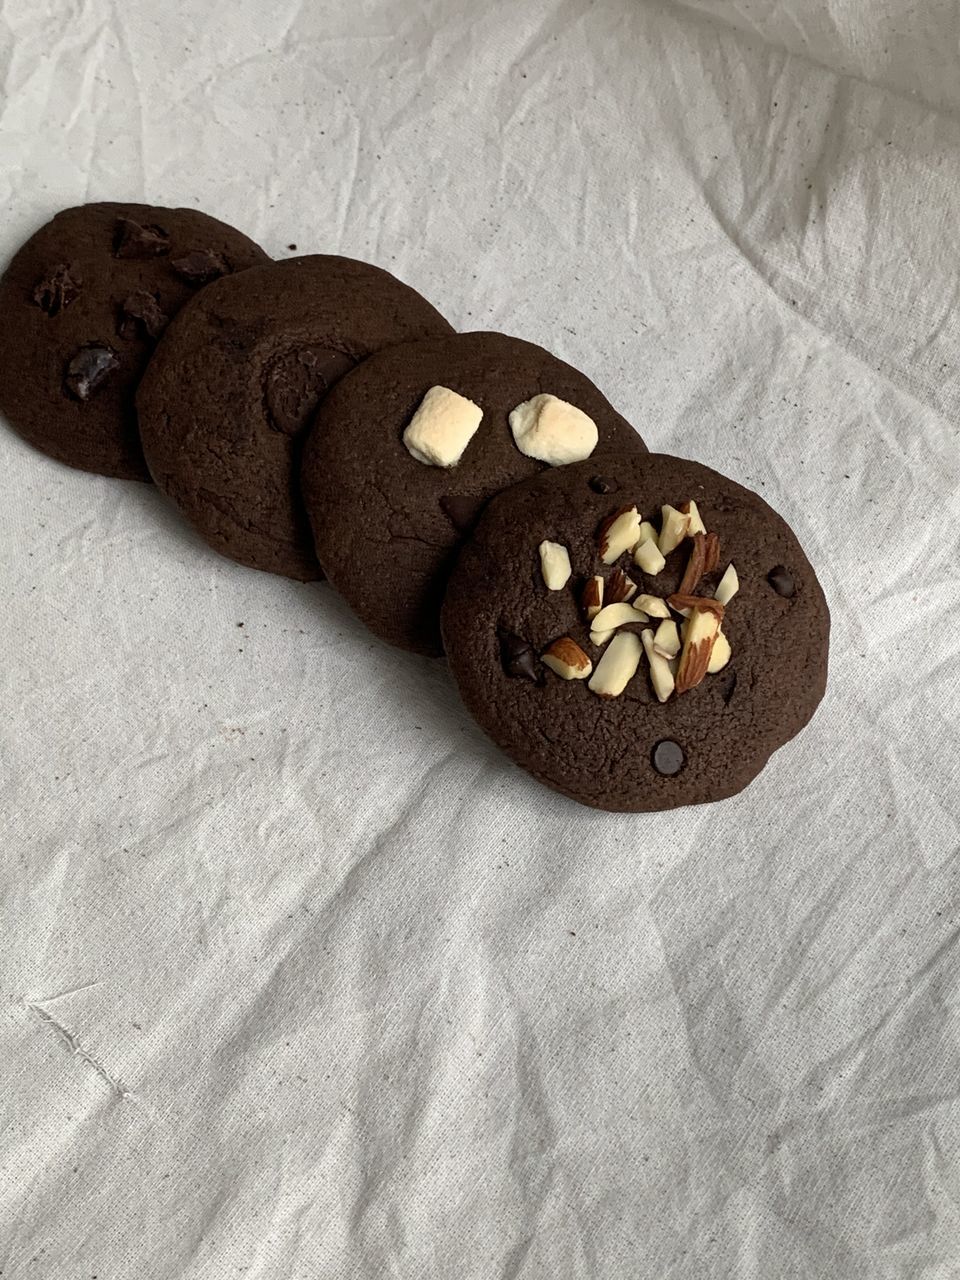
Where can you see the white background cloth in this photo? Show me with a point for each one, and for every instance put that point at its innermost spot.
(300, 977)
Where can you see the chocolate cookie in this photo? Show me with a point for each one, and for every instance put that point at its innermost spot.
(598, 633)
(406, 450)
(83, 304)
(238, 377)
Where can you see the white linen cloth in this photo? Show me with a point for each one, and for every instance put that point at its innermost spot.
(300, 977)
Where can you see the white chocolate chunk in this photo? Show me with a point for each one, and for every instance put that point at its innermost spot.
(553, 431)
(673, 530)
(618, 533)
(653, 605)
(618, 665)
(647, 532)
(728, 586)
(648, 557)
(442, 427)
(695, 520)
(555, 565)
(615, 615)
(720, 654)
(567, 660)
(666, 639)
(661, 676)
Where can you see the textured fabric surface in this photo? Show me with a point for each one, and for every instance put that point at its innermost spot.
(300, 977)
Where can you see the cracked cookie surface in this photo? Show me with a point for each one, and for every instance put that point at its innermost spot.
(632, 752)
(387, 527)
(237, 379)
(84, 302)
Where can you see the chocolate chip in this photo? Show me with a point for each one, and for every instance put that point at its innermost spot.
(668, 757)
(295, 382)
(88, 369)
(140, 313)
(200, 266)
(291, 246)
(600, 484)
(131, 240)
(57, 289)
(518, 658)
(781, 580)
(460, 510)
(728, 687)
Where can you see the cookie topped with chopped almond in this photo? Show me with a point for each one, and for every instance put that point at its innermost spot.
(638, 637)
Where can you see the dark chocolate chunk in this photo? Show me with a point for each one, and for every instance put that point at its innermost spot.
(728, 687)
(518, 658)
(200, 266)
(600, 484)
(297, 380)
(667, 757)
(140, 313)
(133, 240)
(781, 580)
(88, 369)
(57, 289)
(461, 511)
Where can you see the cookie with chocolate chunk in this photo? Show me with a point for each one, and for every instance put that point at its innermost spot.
(237, 379)
(406, 450)
(84, 302)
(637, 639)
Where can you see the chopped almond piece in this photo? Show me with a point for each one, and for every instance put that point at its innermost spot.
(567, 660)
(711, 552)
(728, 586)
(661, 677)
(700, 635)
(619, 587)
(691, 510)
(695, 566)
(591, 598)
(618, 665)
(720, 656)
(555, 565)
(618, 533)
(653, 605)
(648, 557)
(683, 604)
(666, 639)
(673, 530)
(612, 616)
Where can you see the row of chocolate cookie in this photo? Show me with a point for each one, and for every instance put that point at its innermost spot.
(317, 412)
(160, 343)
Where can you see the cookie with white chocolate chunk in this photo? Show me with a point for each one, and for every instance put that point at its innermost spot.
(410, 445)
(688, 643)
